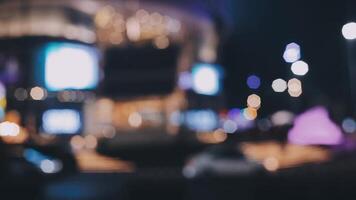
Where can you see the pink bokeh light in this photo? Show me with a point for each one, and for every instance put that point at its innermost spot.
(314, 127)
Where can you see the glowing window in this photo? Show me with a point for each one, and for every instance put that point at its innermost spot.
(206, 79)
(61, 121)
(70, 66)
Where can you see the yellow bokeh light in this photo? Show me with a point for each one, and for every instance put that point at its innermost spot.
(161, 42)
(294, 87)
(250, 113)
(116, 38)
(77, 142)
(271, 163)
(90, 142)
(218, 136)
(104, 16)
(3, 103)
(142, 15)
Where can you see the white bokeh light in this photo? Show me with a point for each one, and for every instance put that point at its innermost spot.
(50, 166)
(349, 125)
(300, 68)
(282, 117)
(9, 129)
(206, 79)
(291, 53)
(349, 31)
(61, 121)
(230, 126)
(135, 119)
(70, 66)
(279, 85)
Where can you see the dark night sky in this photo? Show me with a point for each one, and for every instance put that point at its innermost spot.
(255, 46)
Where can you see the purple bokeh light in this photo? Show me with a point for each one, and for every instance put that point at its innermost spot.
(233, 114)
(185, 81)
(237, 116)
(314, 127)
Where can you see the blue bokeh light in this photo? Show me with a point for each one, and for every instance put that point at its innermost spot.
(253, 82)
(201, 120)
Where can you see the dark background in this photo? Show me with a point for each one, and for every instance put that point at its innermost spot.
(260, 30)
(254, 34)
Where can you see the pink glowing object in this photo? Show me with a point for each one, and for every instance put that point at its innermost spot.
(314, 127)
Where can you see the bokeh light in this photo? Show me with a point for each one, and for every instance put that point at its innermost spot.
(349, 31)
(253, 82)
(250, 113)
(207, 54)
(173, 25)
(349, 125)
(254, 101)
(133, 29)
(38, 93)
(296, 93)
(70, 66)
(103, 16)
(215, 137)
(21, 94)
(271, 164)
(206, 79)
(201, 120)
(3, 99)
(176, 118)
(161, 42)
(90, 142)
(50, 166)
(116, 38)
(314, 127)
(282, 117)
(9, 129)
(135, 119)
(300, 68)
(279, 85)
(294, 87)
(2, 90)
(237, 115)
(142, 15)
(2, 113)
(230, 126)
(61, 121)
(108, 131)
(291, 53)
(77, 142)
(233, 114)
(185, 80)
